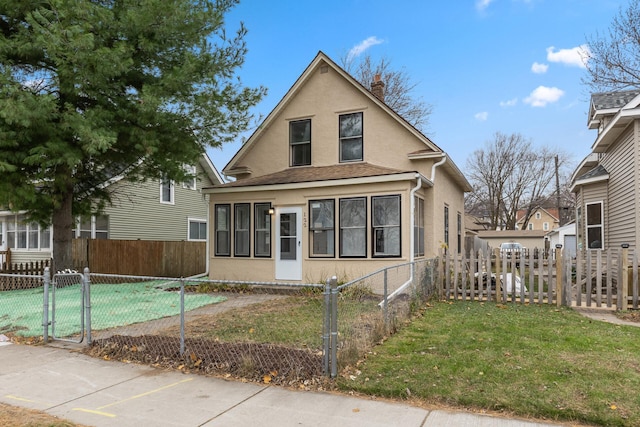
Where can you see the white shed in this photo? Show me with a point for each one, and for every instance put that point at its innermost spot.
(566, 236)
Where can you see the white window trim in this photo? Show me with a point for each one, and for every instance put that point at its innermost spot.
(14, 219)
(587, 226)
(190, 183)
(172, 192)
(199, 220)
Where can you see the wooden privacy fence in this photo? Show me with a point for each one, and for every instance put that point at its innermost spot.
(591, 278)
(140, 257)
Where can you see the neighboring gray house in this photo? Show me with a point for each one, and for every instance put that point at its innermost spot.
(607, 182)
(153, 210)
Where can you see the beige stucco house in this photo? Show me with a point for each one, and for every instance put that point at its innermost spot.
(333, 182)
(607, 182)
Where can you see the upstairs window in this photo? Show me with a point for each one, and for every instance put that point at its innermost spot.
(300, 142)
(190, 182)
(351, 137)
(166, 191)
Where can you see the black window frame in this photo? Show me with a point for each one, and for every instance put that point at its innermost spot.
(341, 227)
(322, 229)
(446, 226)
(236, 230)
(376, 228)
(293, 145)
(418, 227)
(256, 238)
(217, 230)
(342, 138)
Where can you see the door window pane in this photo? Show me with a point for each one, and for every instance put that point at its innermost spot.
(288, 237)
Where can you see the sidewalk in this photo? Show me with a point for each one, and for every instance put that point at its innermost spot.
(99, 393)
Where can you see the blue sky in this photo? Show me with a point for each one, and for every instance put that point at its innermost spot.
(485, 66)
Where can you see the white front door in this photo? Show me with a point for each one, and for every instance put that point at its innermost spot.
(288, 243)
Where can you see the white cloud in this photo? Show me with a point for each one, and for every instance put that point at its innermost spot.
(482, 4)
(362, 46)
(509, 103)
(576, 56)
(482, 116)
(539, 68)
(542, 95)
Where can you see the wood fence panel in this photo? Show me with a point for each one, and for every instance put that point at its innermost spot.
(140, 257)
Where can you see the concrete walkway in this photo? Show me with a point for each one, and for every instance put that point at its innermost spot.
(99, 393)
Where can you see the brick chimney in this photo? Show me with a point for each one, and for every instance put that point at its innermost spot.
(377, 87)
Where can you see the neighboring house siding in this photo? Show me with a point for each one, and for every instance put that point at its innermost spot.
(138, 214)
(620, 214)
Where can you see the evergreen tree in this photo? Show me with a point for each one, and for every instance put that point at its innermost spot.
(90, 89)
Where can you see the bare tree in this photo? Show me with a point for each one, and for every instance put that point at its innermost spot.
(398, 91)
(613, 60)
(510, 174)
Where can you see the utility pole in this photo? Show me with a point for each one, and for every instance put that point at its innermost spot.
(560, 219)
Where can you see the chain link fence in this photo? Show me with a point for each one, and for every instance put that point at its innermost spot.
(21, 303)
(374, 306)
(279, 333)
(271, 332)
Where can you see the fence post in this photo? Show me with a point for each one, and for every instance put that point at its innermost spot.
(334, 327)
(625, 277)
(45, 303)
(559, 279)
(181, 316)
(87, 303)
(386, 300)
(326, 328)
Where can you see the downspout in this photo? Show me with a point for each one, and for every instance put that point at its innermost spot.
(412, 239)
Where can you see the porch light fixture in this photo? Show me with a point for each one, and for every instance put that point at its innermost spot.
(271, 211)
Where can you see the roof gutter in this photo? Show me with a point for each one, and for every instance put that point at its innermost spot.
(442, 161)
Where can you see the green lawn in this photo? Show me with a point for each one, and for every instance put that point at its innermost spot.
(535, 361)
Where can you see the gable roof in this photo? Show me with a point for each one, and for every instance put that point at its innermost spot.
(321, 60)
(622, 106)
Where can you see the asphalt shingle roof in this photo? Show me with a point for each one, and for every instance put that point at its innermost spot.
(606, 100)
(315, 173)
(593, 173)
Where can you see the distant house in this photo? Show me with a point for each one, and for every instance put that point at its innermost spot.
(607, 181)
(153, 210)
(545, 219)
(333, 182)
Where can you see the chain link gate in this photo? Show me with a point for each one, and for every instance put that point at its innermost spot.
(69, 298)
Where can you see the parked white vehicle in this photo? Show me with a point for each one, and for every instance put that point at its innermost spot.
(511, 249)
